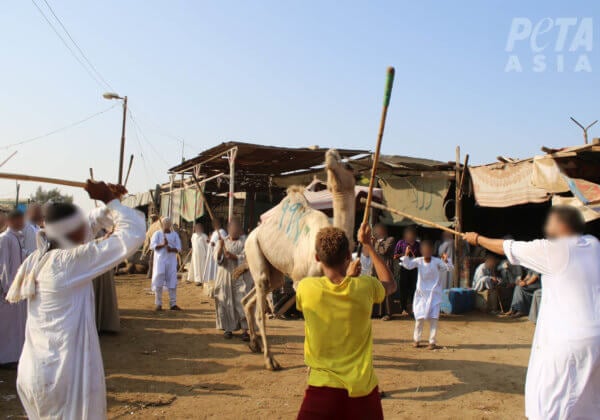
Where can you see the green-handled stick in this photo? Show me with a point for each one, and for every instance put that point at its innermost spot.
(386, 102)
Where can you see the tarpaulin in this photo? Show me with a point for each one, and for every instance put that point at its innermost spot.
(589, 212)
(506, 184)
(185, 204)
(547, 175)
(419, 196)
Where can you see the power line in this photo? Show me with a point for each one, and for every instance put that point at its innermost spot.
(66, 127)
(145, 138)
(95, 70)
(65, 43)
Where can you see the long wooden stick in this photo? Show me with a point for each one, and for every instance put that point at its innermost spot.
(389, 83)
(210, 213)
(386, 102)
(46, 180)
(415, 218)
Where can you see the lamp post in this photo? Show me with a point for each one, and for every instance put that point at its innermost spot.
(110, 96)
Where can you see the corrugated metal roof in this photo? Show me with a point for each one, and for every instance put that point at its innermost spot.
(260, 159)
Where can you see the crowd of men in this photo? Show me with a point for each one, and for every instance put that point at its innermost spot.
(50, 289)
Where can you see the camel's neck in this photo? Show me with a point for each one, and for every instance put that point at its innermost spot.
(344, 204)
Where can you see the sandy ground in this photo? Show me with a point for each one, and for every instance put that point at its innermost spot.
(176, 365)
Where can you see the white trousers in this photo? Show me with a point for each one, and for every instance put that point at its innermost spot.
(419, 324)
(158, 300)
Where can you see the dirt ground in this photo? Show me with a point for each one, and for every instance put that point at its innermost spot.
(176, 365)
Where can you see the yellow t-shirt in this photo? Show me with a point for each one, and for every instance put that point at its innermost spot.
(339, 344)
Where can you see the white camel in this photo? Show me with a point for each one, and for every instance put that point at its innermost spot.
(285, 245)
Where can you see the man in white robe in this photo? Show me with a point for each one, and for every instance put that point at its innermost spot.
(563, 378)
(33, 223)
(60, 374)
(199, 252)
(229, 292)
(166, 245)
(210, 269)
(12, 316)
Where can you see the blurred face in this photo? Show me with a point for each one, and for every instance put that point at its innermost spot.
(235, 230)
(167, 225)
(16, 223)
(216, 224)
(198, 228)
(410, 235)
(447, 236)
(491, 263)
(427, 250)
(380, 232)
(34, 214)
(555, 228)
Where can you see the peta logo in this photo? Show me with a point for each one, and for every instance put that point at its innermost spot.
(559, 45)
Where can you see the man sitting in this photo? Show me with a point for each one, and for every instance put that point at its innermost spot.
(486, 275)
(523, 295)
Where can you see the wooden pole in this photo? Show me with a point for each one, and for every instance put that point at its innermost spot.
(389, 83)
(128, 170)
(231, 155)
(458, 220)
(46, 180)
(410, 216)
(18, 190)
(92, 178)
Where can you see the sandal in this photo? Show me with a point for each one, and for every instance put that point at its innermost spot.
(228, 335)
(245, 336)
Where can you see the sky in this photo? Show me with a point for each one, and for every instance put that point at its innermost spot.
(289, 73)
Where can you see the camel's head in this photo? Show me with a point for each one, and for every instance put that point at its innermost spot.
(339, 177)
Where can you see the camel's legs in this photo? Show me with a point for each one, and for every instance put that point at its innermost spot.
(249, 302)
(260, 270)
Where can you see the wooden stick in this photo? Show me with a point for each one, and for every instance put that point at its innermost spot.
(463, 175)
(210, 213)
(415, 218)
(92, 178)
(386, 102)
(128, 170)
(21, 177)
(389, 83)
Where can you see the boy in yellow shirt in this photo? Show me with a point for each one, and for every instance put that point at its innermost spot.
(339, 344)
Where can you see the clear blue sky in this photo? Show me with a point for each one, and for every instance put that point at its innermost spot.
(285, 73)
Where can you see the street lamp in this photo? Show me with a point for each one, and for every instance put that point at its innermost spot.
(111, 96)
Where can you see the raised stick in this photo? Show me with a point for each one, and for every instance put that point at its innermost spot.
(92, 178)
(128, 170)
(410, 216)
(389, 83)
(21, 177)
(386, 102)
